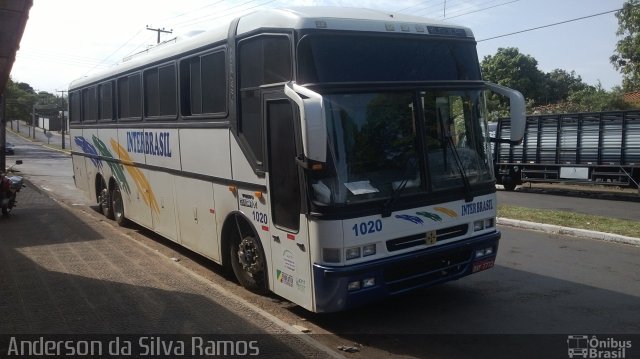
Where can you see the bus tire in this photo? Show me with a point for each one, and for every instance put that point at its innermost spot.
(104, 201)
(118, 207)
(249, 264)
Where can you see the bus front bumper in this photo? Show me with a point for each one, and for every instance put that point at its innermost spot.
(401, 273)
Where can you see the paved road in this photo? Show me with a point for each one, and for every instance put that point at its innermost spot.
(48, 169)
(542, 284)
(52, 138)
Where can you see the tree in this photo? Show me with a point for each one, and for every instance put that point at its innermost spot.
(25, 87)
(21, 98)
(559, 84)
(509, 67)
(626, 58)
(595, 99)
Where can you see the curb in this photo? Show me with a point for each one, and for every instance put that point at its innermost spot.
(575, 232)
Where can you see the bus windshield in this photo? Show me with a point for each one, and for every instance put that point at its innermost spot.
(410, 141)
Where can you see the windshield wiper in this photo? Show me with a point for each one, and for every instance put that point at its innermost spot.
(412, 164)
(465, 180)
(386, 208)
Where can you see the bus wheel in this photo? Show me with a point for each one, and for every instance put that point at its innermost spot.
(118, 207)
(249, 265)
(104, 202)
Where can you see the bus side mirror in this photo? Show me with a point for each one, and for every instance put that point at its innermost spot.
(312, 119)
(518, 110)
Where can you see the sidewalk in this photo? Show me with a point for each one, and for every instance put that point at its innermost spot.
(61, 273)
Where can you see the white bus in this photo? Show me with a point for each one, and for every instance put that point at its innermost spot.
(333, 156)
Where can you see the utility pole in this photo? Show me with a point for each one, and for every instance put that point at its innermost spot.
(3, 139)
(32, 130)
(159, 31)
(63, 122)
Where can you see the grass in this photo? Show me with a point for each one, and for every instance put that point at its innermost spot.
(572, 219)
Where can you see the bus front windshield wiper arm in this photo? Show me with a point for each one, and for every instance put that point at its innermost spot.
(449, 141)
(412, 164)
(386, 208)
(465, 180)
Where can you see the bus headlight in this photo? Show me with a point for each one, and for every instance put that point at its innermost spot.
(484, 224)
(352, 253)
(368, 282)
(353, 285)
(361, 284)
(489, 222)
(484, 252)
(369, 250)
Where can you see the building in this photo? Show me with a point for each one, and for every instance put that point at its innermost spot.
(632, 98)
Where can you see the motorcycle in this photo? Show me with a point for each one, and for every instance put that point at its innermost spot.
(9, 187)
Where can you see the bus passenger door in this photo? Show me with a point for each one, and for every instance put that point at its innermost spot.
(291, 262)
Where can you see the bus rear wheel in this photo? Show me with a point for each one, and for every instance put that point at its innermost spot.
(104, 201)
(249, 264)
(118, 207)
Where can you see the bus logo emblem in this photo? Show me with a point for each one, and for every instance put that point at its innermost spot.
(431, 238)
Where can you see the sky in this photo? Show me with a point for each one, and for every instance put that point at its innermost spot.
(68, 39)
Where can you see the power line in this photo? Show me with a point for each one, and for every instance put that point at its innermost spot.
(409, 7)
(143, 43)
(207, 17)
(483, 9)
(190, 22)
(60, 60)
(549, 25)
(113, 53)
(191, 11)
(428, 9)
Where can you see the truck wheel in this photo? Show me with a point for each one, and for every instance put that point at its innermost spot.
(249, 264)
(509, 186)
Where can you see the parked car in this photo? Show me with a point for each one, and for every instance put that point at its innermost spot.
(8, 148)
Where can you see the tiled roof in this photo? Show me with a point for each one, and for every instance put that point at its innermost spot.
(632, 97)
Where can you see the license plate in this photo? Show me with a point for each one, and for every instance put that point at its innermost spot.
(480, 266)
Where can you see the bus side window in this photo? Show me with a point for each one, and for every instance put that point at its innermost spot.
(105, 101)
(75, 107)
(89, 104)
(263, 60)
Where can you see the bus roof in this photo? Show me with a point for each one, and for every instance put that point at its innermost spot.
(312, 17)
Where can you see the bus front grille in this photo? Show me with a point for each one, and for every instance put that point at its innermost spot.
(425, 271)
(420, 239)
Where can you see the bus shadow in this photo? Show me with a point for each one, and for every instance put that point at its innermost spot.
(524, 314)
